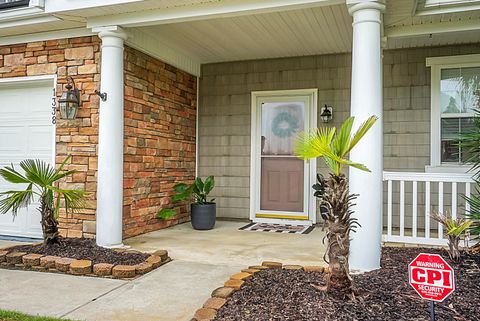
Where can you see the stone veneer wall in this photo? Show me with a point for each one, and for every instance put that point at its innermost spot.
(160, 121)
(79, 58)
(224, 111)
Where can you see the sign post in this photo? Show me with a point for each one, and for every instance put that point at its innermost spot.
(432, 278)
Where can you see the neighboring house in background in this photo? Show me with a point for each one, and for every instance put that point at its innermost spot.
(222, 87)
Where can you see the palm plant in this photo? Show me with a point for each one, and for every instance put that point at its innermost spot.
(334, 146)
(40, 179)
(454, 228)
(474, 214)
(471, 143)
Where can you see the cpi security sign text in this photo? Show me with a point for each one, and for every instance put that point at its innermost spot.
(431, 277)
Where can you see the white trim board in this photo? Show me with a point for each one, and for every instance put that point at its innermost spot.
(207, 10)
(49, 35)
(432, 28)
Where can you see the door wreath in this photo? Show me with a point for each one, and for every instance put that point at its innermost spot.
(284, 125)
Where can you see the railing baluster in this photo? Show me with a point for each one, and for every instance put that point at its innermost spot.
(427, 209)
(402, 208)
(454, 200)
(414, 208)
(440, 208)
(467, 195)
(389, 208)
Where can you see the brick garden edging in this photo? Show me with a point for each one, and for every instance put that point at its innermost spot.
(220, 295)
(44, 263)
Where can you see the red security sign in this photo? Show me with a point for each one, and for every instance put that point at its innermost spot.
(431, 277)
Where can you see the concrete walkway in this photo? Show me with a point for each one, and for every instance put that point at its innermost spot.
(203, 260)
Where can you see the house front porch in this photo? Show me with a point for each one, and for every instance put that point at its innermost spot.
(361, 58)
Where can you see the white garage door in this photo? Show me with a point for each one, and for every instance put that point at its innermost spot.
(26, 131)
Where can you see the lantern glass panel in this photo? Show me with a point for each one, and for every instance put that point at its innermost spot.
(68, 105)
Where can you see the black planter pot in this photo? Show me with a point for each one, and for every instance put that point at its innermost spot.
(203, 216)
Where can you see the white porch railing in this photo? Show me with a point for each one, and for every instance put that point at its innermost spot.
(427, 192)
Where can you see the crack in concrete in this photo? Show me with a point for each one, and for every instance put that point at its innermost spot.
(94, 299)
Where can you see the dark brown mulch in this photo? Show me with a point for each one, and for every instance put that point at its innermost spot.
(382, 295)
(84, 249)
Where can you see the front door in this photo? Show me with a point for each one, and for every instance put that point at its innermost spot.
(280, 189)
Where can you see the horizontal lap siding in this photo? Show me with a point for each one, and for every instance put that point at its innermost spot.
(224, 114)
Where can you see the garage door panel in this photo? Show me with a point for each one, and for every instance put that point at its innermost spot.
(13, 141)
(26, 132)
(10, 225)
(40, 142)
(33, 222)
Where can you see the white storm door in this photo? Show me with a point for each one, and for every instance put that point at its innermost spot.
(26, 132)
(280, 182)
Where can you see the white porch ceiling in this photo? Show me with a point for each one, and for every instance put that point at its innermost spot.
(318, 30)
(308, 31)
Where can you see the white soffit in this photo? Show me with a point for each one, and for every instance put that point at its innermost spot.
(311, 31)
(402, 20)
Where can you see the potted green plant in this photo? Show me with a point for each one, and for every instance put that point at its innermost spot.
(203, 211)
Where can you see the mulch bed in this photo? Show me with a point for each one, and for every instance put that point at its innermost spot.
(279, 294)
(84, 249)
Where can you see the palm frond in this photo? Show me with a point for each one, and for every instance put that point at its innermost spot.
(353, 164)
(361, 131)
(314, 143)
(73, 198)
(332, 165)
(474, 213)
(341, 142)
(332, 145)
(12, 176)
(38, 171)
(15, 200)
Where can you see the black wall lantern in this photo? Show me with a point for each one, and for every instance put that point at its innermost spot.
(326, 113)
(69, 101)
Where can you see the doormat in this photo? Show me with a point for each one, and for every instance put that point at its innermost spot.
(277, 228)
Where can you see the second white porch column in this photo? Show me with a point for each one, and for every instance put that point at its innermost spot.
(366, 100)
(110, 140)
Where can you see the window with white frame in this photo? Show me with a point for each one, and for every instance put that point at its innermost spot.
(8, 4)
(455, 91)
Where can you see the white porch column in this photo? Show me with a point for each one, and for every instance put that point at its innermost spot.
(366, 100)
(110, 140)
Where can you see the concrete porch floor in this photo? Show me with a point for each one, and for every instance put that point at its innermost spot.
(227, 245)
(202, 261)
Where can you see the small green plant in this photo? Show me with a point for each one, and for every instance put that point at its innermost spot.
(474, 213)
(40, 179)
(454, 229)
(198, 191)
